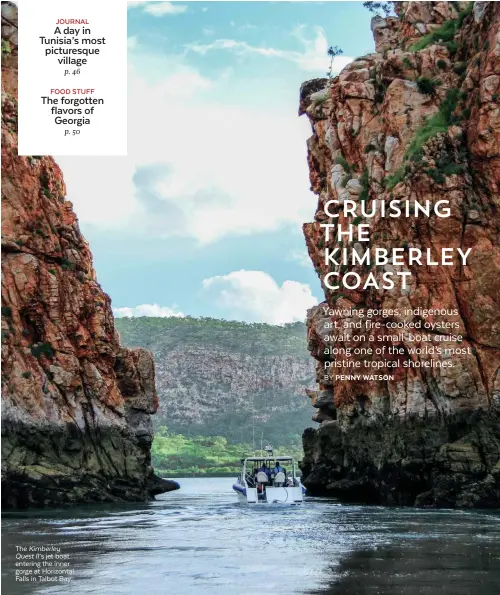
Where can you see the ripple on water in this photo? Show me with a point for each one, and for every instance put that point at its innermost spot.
(198, 540)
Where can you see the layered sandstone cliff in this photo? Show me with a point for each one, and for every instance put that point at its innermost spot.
(214, 377)
(76, 407)
(417, 120)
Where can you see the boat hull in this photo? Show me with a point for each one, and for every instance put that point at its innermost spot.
(271, 495)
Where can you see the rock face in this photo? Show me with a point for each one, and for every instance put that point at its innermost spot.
(213, 376)
(76, 407)
(417, 120)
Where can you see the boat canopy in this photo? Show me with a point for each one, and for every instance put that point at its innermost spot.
(261, 459)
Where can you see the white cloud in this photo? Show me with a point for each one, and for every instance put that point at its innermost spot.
(204, 162)
(159, 9)
(148, 310)
(225, 168)
(256, 297)
(312, 58)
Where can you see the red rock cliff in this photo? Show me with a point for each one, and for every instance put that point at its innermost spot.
(418, 120)
(76, 407)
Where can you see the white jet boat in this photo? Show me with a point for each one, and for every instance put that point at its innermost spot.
(263, 482)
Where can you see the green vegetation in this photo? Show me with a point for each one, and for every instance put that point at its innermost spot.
(280, 418)
(177, 455)
(343, 162)
(229, 335)
(407, 62)
(44, 185)
(440, 122)
(333, 51)
(436, 175)
(26, 375)
(426, 85)
(380, 8)
(394, 179)
(6, 311)
(67, 265)
(6, 47)
(460, 68)
(232, 389)
(345, 179)
(364, 180)
(444, 34)
(380, 89)
(447, 167)
(452, 47)
(320, 99)
(463, 13)
(370, 147)
(40, 349)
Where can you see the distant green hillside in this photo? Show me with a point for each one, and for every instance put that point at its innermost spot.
(174, 455)
(216, 378)
(251, 339)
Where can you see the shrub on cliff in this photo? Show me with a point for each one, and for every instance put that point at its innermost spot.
(39, 349)
(343, 162)
(426, 85)
(444, 34)
(379, 8)
(439, 122)
(333, 51)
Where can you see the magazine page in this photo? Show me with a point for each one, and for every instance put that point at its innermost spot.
(250, 297)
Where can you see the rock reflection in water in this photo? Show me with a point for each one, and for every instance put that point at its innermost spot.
(198, 540)
(428, 567)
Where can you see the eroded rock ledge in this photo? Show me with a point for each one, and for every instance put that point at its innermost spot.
(419, 119)
(76, 407)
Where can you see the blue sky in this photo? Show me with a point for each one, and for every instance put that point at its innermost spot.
(203, 217)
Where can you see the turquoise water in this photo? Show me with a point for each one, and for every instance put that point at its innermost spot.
(199, 540)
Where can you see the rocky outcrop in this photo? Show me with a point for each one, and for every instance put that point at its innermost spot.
(418, 120)
(76, 407)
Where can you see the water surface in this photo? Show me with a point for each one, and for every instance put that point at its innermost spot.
(198, 540)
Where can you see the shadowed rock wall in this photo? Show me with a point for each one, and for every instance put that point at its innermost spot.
(76, 407)
(417, 120)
